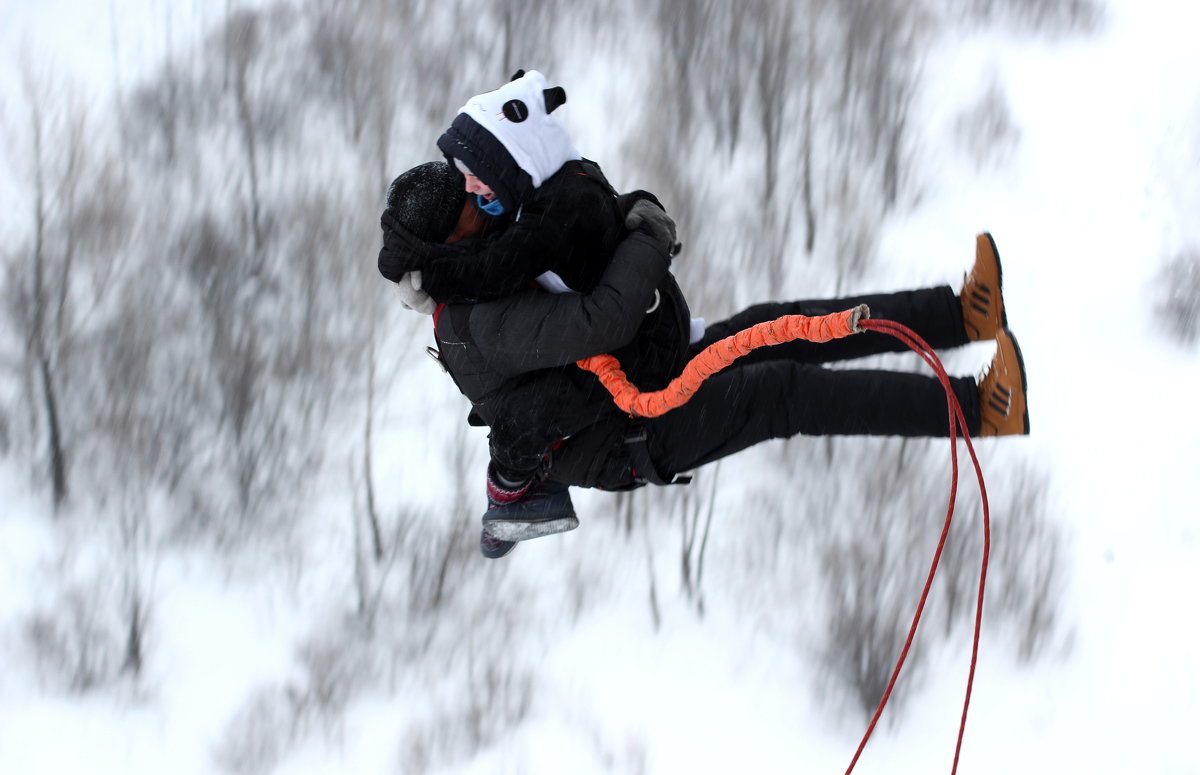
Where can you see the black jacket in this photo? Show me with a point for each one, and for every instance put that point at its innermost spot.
(514, 358)
(511, 348)
(486, 346)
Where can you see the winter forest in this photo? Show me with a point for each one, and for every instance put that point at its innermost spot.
(241, 507)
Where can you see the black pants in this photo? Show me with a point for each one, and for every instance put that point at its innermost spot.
(548, 405)
(778, 392)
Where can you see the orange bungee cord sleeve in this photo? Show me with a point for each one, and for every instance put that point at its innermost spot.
(717, 356)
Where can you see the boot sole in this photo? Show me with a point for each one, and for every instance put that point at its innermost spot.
(999, 280)
(979, 304)
(507, 551)
(1024, 381)
(523, 531)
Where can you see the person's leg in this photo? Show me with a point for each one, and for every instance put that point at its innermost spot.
(744, 406)
(537, 410)
(521, 504)
(934, 313)
(526, 421)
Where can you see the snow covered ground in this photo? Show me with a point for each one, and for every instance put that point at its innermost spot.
(1101, 188)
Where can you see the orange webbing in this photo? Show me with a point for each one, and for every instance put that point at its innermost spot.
(716, 357)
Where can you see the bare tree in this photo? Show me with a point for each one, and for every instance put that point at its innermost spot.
(808, 126)
(45, 306)
(696, 510)
(356, 52)
(91, 626)
(881, 43)
(75, 641)
(243, 46)
(136, 585)
(871, 568)
(716, 56)
(771, 39)
(1030, 562)
(63, 272)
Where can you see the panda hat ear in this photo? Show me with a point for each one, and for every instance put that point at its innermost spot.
(516, 75)
(554, 97)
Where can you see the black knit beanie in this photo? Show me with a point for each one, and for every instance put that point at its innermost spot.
(427, 200)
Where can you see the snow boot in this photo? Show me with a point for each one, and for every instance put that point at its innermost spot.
(981, 296)
(498, 495)
(537, 508)
(1002, 407)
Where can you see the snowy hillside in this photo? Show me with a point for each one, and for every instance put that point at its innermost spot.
(259, 555)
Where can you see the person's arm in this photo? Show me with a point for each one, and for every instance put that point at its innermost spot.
(536, 330)
(485, 269)
(473, 270)
(470, 271)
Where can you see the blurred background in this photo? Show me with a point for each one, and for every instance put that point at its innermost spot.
(240, 505)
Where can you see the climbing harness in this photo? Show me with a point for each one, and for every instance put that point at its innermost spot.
(644, 469)
(822, 329)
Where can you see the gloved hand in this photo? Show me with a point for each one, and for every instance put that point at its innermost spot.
(648, 217)
(402, 251)
(411, 295)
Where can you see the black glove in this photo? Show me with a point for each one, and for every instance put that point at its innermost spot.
(402, 252)
(650, 218)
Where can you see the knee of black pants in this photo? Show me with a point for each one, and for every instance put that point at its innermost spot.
(516, 449)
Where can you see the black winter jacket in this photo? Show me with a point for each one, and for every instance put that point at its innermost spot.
(512, 355)
(511, 348)
(487, 344)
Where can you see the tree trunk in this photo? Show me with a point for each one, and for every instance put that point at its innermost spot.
(368, 476)
(57, 458)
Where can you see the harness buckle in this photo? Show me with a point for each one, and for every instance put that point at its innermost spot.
(434, 353)
(657, 301)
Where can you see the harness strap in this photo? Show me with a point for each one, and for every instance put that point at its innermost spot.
(644, 469)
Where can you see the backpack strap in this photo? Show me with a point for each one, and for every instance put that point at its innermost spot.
(591, 170)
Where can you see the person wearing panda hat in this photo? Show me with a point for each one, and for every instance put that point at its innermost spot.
(548, 218)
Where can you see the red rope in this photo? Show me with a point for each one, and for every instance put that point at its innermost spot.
(957, 420)
(720, 355)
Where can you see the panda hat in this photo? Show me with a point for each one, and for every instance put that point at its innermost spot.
(509, 140)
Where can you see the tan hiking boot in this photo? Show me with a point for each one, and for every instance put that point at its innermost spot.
(981, 297)
(1002, 407)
